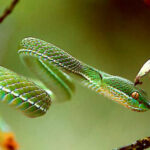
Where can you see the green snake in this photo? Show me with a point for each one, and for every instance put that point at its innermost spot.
(55, 68)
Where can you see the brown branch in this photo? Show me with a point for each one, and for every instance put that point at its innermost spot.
(141, 144)
(8, 10)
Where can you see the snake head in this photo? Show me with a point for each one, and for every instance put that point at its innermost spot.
(126, 93)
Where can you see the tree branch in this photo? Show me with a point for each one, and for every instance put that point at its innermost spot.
(8, 10)
(138, 145)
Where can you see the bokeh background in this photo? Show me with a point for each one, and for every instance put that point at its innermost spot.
(111, 35)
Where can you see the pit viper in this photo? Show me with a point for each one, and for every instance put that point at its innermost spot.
(55, 69)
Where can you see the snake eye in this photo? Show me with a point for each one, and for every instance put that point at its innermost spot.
(135, 95)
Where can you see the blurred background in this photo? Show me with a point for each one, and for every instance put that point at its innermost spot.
(111, 35)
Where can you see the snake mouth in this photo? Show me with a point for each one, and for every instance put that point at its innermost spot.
(137, 105)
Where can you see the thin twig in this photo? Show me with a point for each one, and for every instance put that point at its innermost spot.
(8, 10)
(141, 144)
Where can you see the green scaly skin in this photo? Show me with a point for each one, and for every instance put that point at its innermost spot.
(23, 94)
(52, 66)
(114, 87)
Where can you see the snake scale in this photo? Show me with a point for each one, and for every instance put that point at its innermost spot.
(53, 66)
(54, 69)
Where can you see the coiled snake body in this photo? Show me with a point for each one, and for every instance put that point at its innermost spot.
(52, 66)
